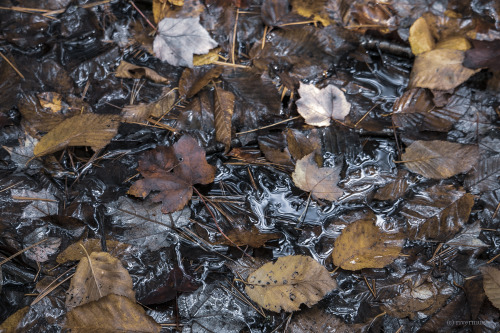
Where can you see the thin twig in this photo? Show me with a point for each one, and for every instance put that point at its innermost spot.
(234, 35)
(229, 64)
(50, 288)
(22, 251)
(12, 65)
(261, 128)
(147, 20)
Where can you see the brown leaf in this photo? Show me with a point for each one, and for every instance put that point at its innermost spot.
(439, 159)
(109, 314)
(420, 39)
(194, 79)
(318, 106)
(223, 115)
(243, 267)
(252, 237)
(491, 284)
(10, 325)
(289, 282)
(173, 171)
(363, 245)
(96, 276)
(273, 145)
(394, 189)
(437, 212)
(94, 130)
(300, 144)
(140, 112)
(484, 54)
(321, 182)
(316, 320)
(50, 100)
(75, 252)
(131, 71)
(439, 69)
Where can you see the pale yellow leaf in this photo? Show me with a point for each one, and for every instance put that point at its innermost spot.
(454, 43)
(420, 39)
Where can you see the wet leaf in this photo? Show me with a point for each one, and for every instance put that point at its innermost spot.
(245, 266)
(491, 284)
(96, 276)
(289, 282)
(92, 130)
(454, 43)
(140, 112)
(321, 182)
(50, 100)
(439, 69)
(274, 147)
(363, 245)
(131, 71)
(223, 115)
(420, 39)
(112, 313)
(312, 9)
(75, 252)
(179, 38)
(437, 212)
(300, 144)
(484, 54)
(173, 171)
(316, 320)
(394, 189)
(193, 80)
(42, 203)
(484, 177)
(252, 237)
(206, 59)
(10, 325)
(42, 252)
(318, 106)
(439, 159)
(468, 238)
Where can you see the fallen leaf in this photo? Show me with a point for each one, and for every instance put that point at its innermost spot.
(94, 130)
(439, 159)
(439, 69)
(484, 54)
(140, 112)
(10, 325)
(112, 313)
(131, 71)
(476, 296)
(173, 171)
(318, 106)
(43, 251)
(316, 320)
(364, 245)
(75, 252)
(223, 115)
(42, 203)
(321, 182)
(274, 147)
(437, 212)
(468, 238)
(96, 276)
(179, 38)
(396, 188)
(420, 38)
(289, 282)
(484, 176)
(312, 9)
(252, 237)
(206, 59)
(245, 266)
(50, 100)
(300, 144)
(193, 80)
(491, 284)
(454, 43)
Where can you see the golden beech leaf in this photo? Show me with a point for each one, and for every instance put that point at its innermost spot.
(491, 284)
(321, 182)
(131, 71)
(223, 115)
(76, 252)
(454, 43)
(12, 322)
(96, 276)
(289, 282)
(440, 159)
(314, 10)
(94, 130)
(50, 100)
(420, 39)
(363, 245)
(112, 313)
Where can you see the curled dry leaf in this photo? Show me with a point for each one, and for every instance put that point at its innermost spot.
(439, 159)
(131, 71)
(420, 39)
(491, 284)
(363, 245)
(321, 182)
(112, 313)
(96, 276)
(94, 130)
(173, 171)
(289, 282)
(439, 69)
(318, 106)
(179, 38)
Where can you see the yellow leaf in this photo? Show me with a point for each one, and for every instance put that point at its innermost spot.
(312, 9)
(50, 100)
(289, 282)
(363, 245)
(92, 130)
(12, 322)
(420, 39)
(206, 59)
(75, 252)
(454, 43)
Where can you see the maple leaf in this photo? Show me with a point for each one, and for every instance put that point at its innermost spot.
(173, 171)
(317, 106)
(179, 38)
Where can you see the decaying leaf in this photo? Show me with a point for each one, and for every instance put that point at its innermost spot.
(484, 176)
(131, 71)
(491, 284)
(94, 130)
(289, 282)
(10, 325)
(193, 80)
(437, 212)
(318, 106)
(173, 171)
(300, 144)
(156, 109)
(321, 182)
(468, 238)
(43, 203)
(439, 69)
(274, 147)
(252, 237)
(317, 320)
(50, 100)
(75, 251)
(179, 38)
(206, 59)
(96, 276)
(396, 188)
(112, 313)
(312, 9)
(420, 39)
(363, 245)
(245, 266)
(439, 159)
(223, 115)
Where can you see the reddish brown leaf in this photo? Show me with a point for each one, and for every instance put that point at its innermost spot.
(173, 171)
(484, 54)
(252, 237)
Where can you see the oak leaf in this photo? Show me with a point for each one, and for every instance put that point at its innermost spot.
(289, 282)
(439, 159)
(321, 182)
(179, 38)
(491, 284)
(363, 245)
(318, 106)
(173, 171)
